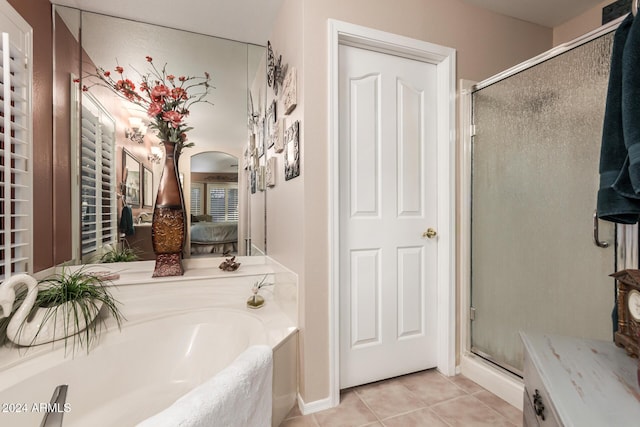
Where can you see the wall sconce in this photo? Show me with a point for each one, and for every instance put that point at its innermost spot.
(137, 130)
(155, 156)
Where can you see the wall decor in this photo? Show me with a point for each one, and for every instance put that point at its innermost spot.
(275, 70)
(253, 181)
(290, 91)
(131, 176)
(278, 136)
(270, 172)
(271, 124)
(147, 188)
(292, 151)
(260, 178)
(260, 137)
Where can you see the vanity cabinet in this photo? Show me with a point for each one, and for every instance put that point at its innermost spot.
(578, 382)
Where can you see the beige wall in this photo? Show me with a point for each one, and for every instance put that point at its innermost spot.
(581, 24)
(298, 232)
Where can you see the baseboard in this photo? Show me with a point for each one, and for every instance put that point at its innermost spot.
(506, 386)
(315, 406)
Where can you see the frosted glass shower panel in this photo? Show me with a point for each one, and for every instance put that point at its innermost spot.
(535, 179)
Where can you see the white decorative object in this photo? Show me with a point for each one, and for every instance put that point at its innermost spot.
(271, 172)
(278, 136)
(47, 324)
(290, 91)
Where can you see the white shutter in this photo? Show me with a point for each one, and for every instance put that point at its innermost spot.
(16, 194)
(223, 202)
(196, 201)
(97, 172)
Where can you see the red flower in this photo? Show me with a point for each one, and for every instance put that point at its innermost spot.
(125, 85)
(178, 93)
(107, 73)
(85, 88)
(159, 92)
(76, 80)
(170, 77)
(144, 87)
(149, 59)
(154, 109)
(119, 69)
(182, 78)
(173, 117)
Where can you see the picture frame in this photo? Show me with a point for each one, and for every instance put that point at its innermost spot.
(260, 178)
(260, 137)
(270, 172)
(147, 187)
(278, 136)
(131, 179)
(290, 91)
(253, 181)
(271, 124)
(292, 151)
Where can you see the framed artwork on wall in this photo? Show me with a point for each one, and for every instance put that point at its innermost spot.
(147, 185)
(131, 179)
(260, 137)
(292, 151)
(271, 124)
(290, 91)
(270, 172)
(278, 136)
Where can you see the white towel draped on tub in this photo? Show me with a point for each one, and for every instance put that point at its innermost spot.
(239, 395)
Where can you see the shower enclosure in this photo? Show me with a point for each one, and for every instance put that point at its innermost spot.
(535, 153)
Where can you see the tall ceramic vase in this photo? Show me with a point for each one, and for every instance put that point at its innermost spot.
(169, 221)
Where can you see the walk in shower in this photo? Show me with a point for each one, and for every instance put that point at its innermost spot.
(535, 154)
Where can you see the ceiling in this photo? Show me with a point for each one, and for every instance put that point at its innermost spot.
(548, 13)
(251, 21)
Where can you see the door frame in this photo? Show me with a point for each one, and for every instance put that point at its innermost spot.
(343, 33)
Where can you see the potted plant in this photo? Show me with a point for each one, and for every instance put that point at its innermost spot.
(61, 306)
(119, 253)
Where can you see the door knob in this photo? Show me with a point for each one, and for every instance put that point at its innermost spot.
(430, 233)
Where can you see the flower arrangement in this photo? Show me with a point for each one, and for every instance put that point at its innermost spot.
(165, 98)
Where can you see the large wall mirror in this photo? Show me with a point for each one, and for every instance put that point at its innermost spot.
(98, 131)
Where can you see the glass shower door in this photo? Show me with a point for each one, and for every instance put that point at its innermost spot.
(534, 265)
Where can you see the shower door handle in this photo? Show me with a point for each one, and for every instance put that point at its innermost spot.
(596, 237)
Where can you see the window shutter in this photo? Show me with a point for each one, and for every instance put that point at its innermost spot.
(223, 202)
(97, 171)
(16, 194)
(196, 201)
(217, 204)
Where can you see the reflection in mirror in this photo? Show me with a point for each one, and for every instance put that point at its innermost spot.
(214, 205)
(104, 127)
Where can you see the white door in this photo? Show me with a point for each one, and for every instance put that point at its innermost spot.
(388, 199)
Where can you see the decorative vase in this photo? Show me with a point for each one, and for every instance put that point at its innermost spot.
(169, 221)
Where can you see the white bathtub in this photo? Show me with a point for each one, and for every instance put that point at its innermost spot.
(158, 356)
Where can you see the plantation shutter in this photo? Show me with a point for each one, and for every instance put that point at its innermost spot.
(16, 194)
(216, 204)
(97, 183)
(196, 201)
(223, 202)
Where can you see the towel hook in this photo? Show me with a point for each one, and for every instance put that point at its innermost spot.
(634, 7)
(596, 238)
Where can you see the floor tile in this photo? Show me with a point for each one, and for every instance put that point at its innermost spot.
(468, 411)
(420, 418)
(431, 387)
(351, 412)
(386, 399)
(509, 412)
(466, 384)
(303, 421)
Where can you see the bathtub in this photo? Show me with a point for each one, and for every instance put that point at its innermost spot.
(179, 337)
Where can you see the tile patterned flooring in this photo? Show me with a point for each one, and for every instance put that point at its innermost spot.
(426, 398)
